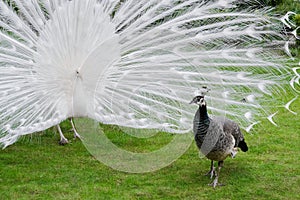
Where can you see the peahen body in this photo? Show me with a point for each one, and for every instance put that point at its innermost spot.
(216, 137)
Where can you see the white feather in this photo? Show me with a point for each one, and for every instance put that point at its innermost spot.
(287, 106)
(133, 63)
(249, 128)
(270, 118)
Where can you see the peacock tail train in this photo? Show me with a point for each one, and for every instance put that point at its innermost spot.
(136, 63)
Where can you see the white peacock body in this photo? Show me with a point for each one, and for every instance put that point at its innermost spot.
(134, 63)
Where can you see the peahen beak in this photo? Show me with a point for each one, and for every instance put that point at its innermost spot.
(192, 102)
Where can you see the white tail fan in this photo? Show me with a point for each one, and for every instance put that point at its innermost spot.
(134, 63)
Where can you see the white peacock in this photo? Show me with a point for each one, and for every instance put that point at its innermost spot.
(135, 63)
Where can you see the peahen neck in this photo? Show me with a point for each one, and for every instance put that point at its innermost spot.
(203, 114)
(201, 123)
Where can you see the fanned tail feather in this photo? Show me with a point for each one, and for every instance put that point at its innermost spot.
(135, 63)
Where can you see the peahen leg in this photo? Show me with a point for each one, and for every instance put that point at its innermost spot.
(211, 172)
(215, 181)
(63, 139)
(76, 135)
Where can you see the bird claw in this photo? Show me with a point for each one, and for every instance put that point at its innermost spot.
(63, 141)
(215, 183)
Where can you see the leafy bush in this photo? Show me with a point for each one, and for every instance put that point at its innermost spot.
(273, 2)
(297, 19)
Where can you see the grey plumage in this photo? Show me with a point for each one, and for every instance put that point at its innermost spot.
(216, 137)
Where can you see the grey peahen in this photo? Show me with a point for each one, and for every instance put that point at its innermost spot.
(216, 137)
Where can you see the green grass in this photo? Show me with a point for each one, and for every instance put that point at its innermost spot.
(38, 168)
(283, 6)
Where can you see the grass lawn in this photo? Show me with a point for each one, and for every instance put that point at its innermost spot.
(38, 168)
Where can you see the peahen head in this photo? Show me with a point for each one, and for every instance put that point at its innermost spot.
(199, 100)
(199, 96)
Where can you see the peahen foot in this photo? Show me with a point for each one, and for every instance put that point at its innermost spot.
(215, 183)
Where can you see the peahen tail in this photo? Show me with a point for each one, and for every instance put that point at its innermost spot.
(242, 144)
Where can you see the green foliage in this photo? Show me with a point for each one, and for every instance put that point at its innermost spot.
(281, 8)
(297, 19)
(273, 2)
